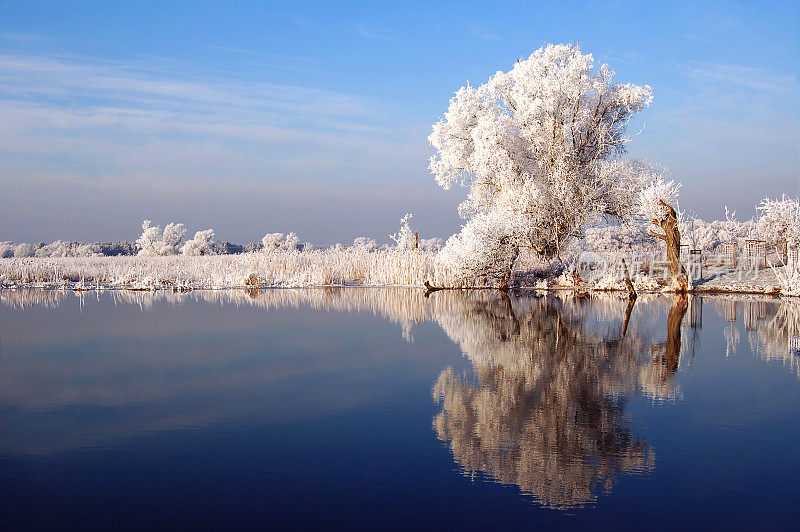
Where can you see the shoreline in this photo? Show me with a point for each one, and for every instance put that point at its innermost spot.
(354, 268)
(697, 291)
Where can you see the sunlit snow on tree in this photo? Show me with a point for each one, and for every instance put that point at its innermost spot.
(540, 149)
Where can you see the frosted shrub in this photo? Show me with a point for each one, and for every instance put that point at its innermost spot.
(59, 248)
(172, 238)
(87, 250)
(148, 242)
(23, 250)
(292, 242)
(201, 244)
(732, 230)
(660, 189)
(6, 250)
(272, 241)
(614, 238)
(404, 237)
(365, 244)
(431, 244)
(779, 222)
(699, 234)
(485, 249)
(153, 242)
(279, 241)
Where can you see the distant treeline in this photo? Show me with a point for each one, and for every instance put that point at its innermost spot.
(62, 248)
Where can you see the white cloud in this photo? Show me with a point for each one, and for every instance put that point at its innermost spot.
(374, 34)
(124, 120)
(483, 34)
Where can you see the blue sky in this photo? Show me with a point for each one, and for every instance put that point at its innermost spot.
(275, 116)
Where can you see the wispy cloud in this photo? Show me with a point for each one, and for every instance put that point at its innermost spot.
(483, 34)
(121, 120)
(245, 51)
(302, 22)
(722, 123)
(78, 132)
(374, 34)
(744, 77)
(23, 38)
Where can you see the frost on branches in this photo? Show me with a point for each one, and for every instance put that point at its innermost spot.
(154, 242)
(201, 244)
(540, 149)
(364, 243)
(779, 223)
(406, 238)
(279, 241)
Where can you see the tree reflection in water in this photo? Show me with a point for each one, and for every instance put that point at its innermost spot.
(546, 408)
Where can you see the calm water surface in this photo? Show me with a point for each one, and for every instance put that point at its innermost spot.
(377, 407)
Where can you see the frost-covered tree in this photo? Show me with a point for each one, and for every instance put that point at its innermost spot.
(539, 147)
(23, 250)
(6, 250)
(59, 248)
(276, 241)
(172, 238)
(404, 238)
(292, 242)
(779, 222)
(149, 241)
(615, 238)
(201, 244)
(273, 241)
(486, 248)
(431, 244)
(153, 242)
(365, 244)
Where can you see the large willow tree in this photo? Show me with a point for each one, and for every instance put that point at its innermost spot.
(540, 148)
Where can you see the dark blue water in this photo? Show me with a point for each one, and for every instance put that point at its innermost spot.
(382, 408)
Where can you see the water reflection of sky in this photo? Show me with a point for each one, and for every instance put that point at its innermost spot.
(545, 407)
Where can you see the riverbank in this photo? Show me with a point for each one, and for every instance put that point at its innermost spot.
(345, 267)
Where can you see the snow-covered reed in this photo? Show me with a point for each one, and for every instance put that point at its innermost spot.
(278, 268)
(789, 278)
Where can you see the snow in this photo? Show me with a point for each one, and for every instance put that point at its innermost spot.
(278, 268)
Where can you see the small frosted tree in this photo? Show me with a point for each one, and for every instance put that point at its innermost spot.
(172, 239)
(292, 242)
(779, 222)
(153, 242)
(540, 146)
(404, 238)
(279, 241)
(485, 249)
(147, 241)
(272, 241)
(201, 244)
(431, 244)
(23, 250)
(6, 250)
(364, 243)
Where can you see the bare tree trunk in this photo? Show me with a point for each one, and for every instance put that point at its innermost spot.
(672, 238)
(628, 283)
(506, 278)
